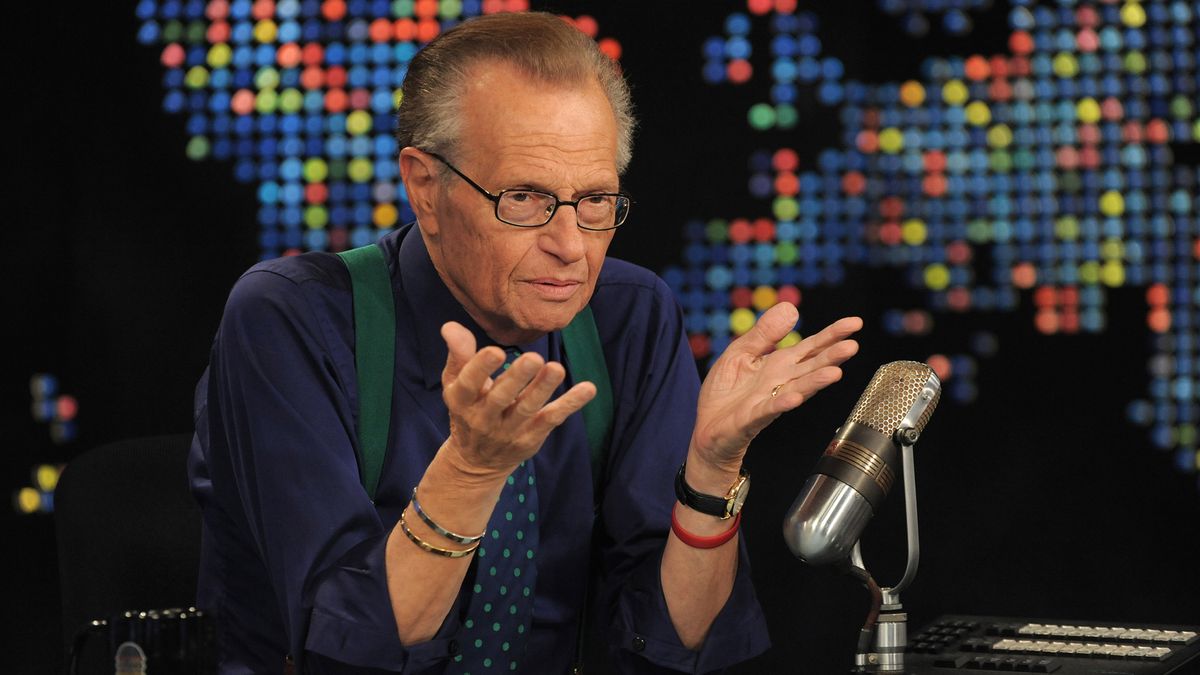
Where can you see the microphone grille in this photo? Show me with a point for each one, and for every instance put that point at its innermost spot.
(892, 392)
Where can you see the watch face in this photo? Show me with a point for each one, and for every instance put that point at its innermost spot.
(739, 498)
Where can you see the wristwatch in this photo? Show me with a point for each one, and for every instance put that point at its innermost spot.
(722, 507)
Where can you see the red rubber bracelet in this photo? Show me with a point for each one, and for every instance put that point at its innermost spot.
(696, 541)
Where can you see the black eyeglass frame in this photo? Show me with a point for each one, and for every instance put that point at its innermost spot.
(495, 199)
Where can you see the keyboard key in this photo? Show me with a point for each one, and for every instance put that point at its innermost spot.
(1046, 666)
(951, 661)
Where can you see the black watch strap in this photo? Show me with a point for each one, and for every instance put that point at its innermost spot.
(707, 504)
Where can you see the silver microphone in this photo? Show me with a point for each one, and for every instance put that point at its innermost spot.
(856, 472)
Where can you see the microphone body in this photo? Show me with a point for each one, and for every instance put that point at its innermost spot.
(856, 472)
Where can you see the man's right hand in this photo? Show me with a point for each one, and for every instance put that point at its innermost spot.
(496, 424)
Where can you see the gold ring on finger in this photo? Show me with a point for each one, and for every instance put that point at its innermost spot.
(775, 390)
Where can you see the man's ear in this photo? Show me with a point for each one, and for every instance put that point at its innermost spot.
(422, 184)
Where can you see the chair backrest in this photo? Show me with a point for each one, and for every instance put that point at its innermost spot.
(128, 530)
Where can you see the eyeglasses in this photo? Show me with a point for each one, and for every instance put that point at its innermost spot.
(532, 208)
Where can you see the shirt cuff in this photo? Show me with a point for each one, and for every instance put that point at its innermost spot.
(643, 630)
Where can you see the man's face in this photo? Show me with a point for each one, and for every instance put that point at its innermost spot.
(519, 283)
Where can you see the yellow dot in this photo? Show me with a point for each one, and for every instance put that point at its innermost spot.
(290, 100)
(1088, 110)
(999, 136)
(360, 170)
(763, 298)
(266, 78)
(978, 113)
(912, 94)
(1066, 228)
(358, 122)
(792, 338)
(219, 55)
(397, 98)
(891, 140)
(197, 77)
(385, 215)
(1112, 273)
(1089, 272)
(45, 477)
(266, 101)
(28, 500)
(1065, 65)
(913, 232)
(1133, 15)
(785, 208)
(937, 277)
(265, 31)
(741, 320)
(315, 170)
(1112, 204)
(954, 92)
(315, 217)
(1112, 249)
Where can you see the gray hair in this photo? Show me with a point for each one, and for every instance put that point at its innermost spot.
(538, 44)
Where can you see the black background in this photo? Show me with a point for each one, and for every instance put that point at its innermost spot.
(1038, 500)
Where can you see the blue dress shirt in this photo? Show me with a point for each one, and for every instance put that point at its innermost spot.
(293, 549)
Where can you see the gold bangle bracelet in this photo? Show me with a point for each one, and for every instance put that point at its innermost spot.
(448, 553)
(458, 538)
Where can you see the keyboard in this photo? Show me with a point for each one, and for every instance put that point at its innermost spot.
(960, 642)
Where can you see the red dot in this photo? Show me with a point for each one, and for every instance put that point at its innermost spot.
(405, 29)
(1157, 295)
(1024, 275)
(333, 10)
(493, 6)
(1157, 131)
(934, 160)
(1087, 40)
(292, 252)
(1020, 42)
(759, 7)
(316, 193)
(427, 29)
(1018, 66)
(380, 30)
(1000, 90)
(853, 183)
(999, 66)
(738, 71)
(338, 239)
(360, 99)
(217, 10)
(958, 299)
(1066, 157)
(976, 68)
(958, 252)
(786, 183)
(1089, 157)
(172, 55)
(242, 102)
(1068, 296)
(1086, 16)
(867, 141)
(764, 229)
(65, 408)
(940, 365)
(217, 32)
(312, 78)
(1131, 132)
(313, 54)
(288, 55)
(785, 159)
(425, 9)
(890, 233)
(934, 185)
(917, 322)
(1089, 134)
(1046, 321)
(611, 48)
(870, 118)
(741, 297)
(700, 344)
(891, 207)
(587, 25)
(516, 5)
(262, 9)
(740, 231)
(335, 100)
(789, 293)
(335, 77)
(1045, 296)
(785, 6)
(1196, 250)
(1069, 321)
(1159, 320)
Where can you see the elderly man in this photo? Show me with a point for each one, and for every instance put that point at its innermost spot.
(487, 525)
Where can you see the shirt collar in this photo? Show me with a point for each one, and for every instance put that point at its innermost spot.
(431, 305)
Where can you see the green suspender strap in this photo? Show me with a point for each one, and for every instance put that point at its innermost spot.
(375, 353)
(374, 356)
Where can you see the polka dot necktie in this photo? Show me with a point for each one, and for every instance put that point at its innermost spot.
(500, 599)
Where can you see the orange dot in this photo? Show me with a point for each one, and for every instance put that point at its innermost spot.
(172, 55)
(1024, 275)
(738, 71)
(1157, 131)
(1157, 295)
(786, 183)
(958, 299)
(611, 48)
(741, 297)
(380, 30)
(867, 141)
(1045, 297)
(493, 6)
(316, 193)
(958, 252)
(1068, 296)
(976, 68)
(425, 9)
(759, 7)
(288, 55)
(891, 207)
(934, 160)
(217, 32)
(890, 233)
(1069, 321)
(790, 294)
(1159, 320)
(335, 100)
(335, 77)
(940, 365)
(313, 54)
(740, 231)
(404, 29)
(1046, 321)
(242, 102)
(1020, 42)
(217, 10)
(764, 229)
(587, 25)
(333, 10)
(312, 78)
(427, 29)
(854, 183)
(701, 345)
(785, 159)
(262, 9)
(516, 5)
(934, 185)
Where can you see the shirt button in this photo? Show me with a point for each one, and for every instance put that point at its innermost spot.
(452, 648)
(639, 644)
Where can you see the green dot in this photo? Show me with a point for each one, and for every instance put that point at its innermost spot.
(521, 498)
(478, 642)
(717, 230)
(495, 534)
(532, 517)
(504, 646)
(786, 253)
(172, 31)
(521, 629)
(520, 535)
(487, 607)
(508, 516)
(458, 659)
(761, 116)
(525, 591)
(529, 554)
(503, 590)
(492, 571)
(487, 663)
(197, 147)
(506, 553)
(531, 480)
(512, 665)
(512, 609)
(196, 31)
(470, 623)
(496, 627)
(786, 116)
(516, 571)
(511, 481)
(402, 8)
(478, 588)
(450, 9)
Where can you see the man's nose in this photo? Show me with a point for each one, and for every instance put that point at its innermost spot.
(562, 237)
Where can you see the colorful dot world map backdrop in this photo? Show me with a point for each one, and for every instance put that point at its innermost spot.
(1052, 171)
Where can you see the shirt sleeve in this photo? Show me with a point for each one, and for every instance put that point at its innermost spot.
(284, 436)
(656, 414)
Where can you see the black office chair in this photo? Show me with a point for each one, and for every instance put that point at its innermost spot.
(128, 532)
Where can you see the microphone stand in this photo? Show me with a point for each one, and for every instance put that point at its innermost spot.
(884, 635)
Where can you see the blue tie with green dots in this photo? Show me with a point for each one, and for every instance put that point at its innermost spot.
(500, 598)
